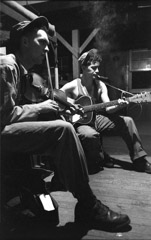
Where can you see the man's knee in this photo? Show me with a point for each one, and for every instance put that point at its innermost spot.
(88, 133)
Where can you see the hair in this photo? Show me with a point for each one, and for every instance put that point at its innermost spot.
(89, 57)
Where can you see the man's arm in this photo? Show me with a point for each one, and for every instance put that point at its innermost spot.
(71, 89)
(11, 112)
(105, 98)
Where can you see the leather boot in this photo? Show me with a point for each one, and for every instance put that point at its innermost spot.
(142, 165)
(100, 216)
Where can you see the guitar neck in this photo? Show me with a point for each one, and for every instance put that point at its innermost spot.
(137, 98)
(99, 106)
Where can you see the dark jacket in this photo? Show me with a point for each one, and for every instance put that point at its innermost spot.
(11, 111)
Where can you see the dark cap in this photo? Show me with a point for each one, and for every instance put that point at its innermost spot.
(20, 28)
(92, 56)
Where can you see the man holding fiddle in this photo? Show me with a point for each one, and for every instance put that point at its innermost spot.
(108, 121)
(23, 132)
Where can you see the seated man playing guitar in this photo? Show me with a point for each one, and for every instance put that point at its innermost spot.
(93, 127)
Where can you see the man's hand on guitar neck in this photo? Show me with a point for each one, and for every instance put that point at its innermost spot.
(121, 104)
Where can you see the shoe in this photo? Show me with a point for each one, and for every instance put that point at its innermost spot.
(108, 161)
(142, 165)
(100, 216)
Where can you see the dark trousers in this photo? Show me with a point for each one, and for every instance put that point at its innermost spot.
(124, 127)
(92, 144)
(55, 138)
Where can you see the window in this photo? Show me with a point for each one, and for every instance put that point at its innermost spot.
(140, 70)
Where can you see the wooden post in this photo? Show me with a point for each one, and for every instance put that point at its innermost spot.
(75, 45)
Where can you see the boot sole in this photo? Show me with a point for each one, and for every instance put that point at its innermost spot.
(105, 226)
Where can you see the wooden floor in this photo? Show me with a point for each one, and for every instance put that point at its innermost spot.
(121, 188)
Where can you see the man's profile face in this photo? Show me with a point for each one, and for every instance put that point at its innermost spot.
(37, 46)
(92, 69)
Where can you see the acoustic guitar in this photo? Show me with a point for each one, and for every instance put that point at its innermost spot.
(89, 107)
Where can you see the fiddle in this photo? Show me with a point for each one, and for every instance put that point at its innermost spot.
(36, 91)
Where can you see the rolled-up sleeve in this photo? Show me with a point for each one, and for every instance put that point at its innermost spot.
(11, 112)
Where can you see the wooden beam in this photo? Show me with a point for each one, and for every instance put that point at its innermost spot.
(75, 44)
(30, 2)
(2, 50)
(66, 44)
(87, 41)
(12, 13)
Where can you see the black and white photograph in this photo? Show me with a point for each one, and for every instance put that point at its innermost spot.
(75, 118)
